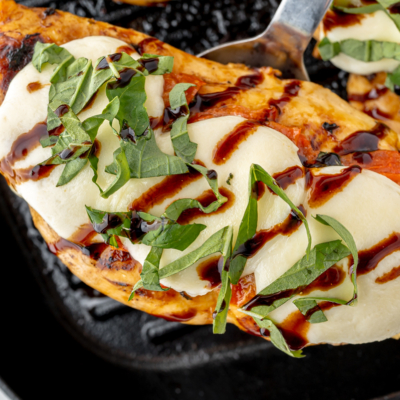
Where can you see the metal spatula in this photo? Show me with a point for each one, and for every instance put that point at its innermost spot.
(282, 44)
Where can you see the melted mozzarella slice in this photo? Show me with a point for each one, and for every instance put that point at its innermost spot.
(375, 26)
(369, 208)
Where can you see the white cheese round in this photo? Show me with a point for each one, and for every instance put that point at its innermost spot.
(375, 26)
(369, 208)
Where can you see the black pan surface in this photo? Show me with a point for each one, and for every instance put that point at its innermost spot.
(61, 339)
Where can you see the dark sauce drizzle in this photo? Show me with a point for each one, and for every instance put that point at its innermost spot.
(291, 90)
(334, 19)
(369, 259)
(20, 150)
(362, 141)
(373, 94)
(208, 271)
(167, 188)
(324, 187)
(252, 246)
(394, 8)
(389, 276)
(34, 86)
(289, 176)
(230, 142)
(250, 81)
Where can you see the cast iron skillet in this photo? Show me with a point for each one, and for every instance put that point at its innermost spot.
(99, 348)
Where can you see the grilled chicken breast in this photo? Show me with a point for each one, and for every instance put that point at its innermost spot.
(238, 117)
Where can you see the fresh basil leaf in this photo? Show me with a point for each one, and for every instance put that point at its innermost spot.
(225, 294)
(71, 170)
(121, 169)
(368, 50)
(165, 63)
(299, 276)
(261, 175)
(212, 179)
(72, 143)
(248, 225)
(75, 84)
(71, 89)
(308, 305)
(328, 49)
(92, 124)
(174, 211)
(132, 97)
(393, 79)
(78, 139)
(350, 243)
(145, 159)
(95, 216)
(214, 244)
(221, 311)
(100, 75)
(311, 310)
(371, 8)
(277, 338)
(247, 229)
(49, 53)
(177, 96)
(183, 147)
(109, 225)
(48, 141)
(150, 272)
(161, 233)
(175, 236)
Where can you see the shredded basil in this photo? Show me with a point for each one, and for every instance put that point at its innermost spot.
(367, 50)
(299, 276)
(49, 53)
(277, 338)
(248, 225)
(157, 231)
(304, 304)
(359, 10)
(150, 272)
(225, 294)
(217, 243)
(184, 148)
(78, 139)
(393, 79)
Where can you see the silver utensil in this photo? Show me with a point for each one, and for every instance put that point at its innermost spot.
(282, 44)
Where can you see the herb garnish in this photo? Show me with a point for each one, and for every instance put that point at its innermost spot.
(363, 50)
(74, 82)
(248, 225)
(300, 275)
(277, 338)
(183, 147)
(217, 243)
(306, 304)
